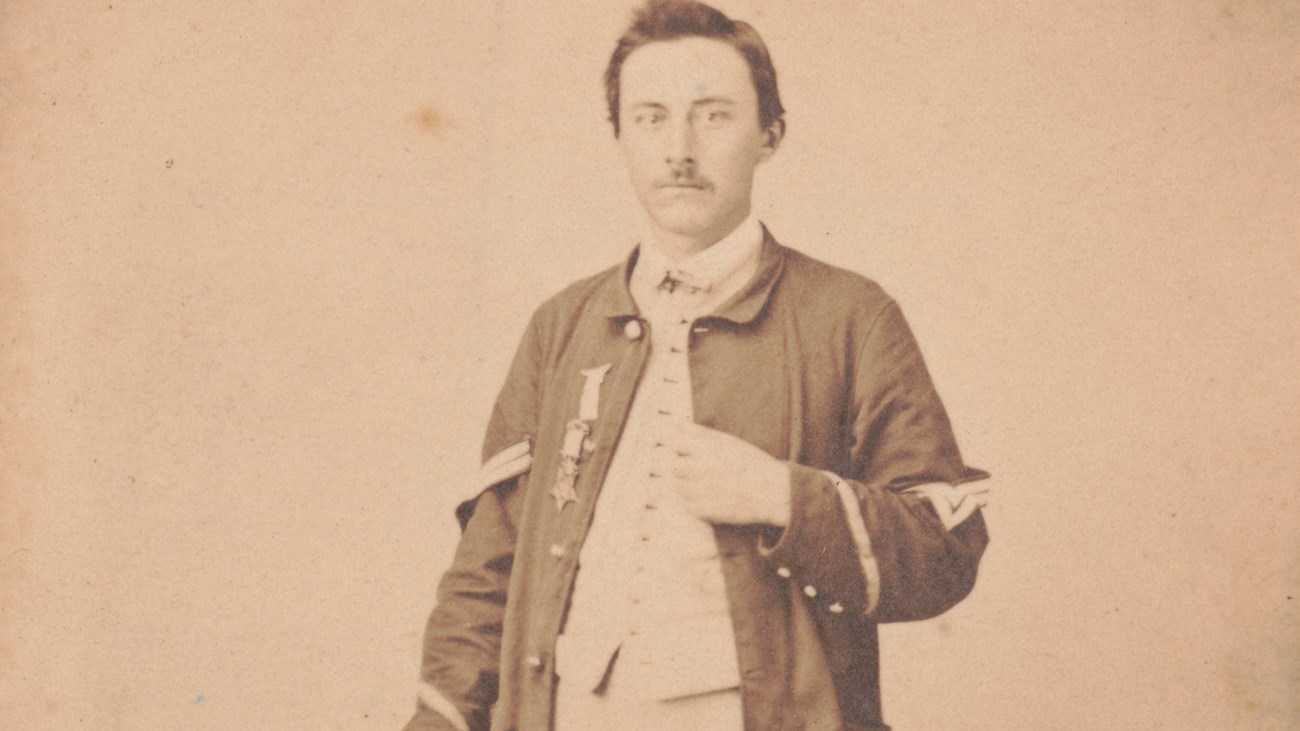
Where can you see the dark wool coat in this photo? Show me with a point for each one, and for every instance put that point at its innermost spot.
(811, 363)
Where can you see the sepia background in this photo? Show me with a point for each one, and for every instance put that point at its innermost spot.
(263, 266)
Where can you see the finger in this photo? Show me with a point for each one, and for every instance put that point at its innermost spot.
(701, 437)
(669, 438)
(688, 498)
(696, 509)
(678, 431)
(973, 488)
(680, 467)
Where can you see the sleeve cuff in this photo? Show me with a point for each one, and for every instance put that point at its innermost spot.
(432, 699)
(861, 540)
(826, 549)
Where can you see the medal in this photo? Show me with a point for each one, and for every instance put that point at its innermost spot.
(577, 437)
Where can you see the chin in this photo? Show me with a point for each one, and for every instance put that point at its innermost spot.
(690, 231)
(685, 223)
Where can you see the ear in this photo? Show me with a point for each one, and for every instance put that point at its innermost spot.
(774, 133)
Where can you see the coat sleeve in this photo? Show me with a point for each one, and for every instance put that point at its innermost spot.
(462, 639)
(899, 535)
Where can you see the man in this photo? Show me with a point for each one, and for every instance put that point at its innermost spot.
(712, 469)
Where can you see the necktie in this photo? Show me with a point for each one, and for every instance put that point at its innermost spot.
(678, 279)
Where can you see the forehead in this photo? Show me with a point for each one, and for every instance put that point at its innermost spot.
(684, 69)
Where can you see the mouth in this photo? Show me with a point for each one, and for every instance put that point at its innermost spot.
(682, 186)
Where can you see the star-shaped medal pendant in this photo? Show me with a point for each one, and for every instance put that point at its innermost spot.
(566, 478)
(563, 491)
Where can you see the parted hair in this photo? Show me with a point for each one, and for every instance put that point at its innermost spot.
(666, 20)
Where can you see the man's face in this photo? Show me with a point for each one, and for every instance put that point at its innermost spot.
(688, 119)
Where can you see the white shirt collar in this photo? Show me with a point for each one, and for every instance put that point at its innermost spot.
(714, 267)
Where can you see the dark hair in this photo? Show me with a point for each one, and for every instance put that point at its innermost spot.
(666, 20)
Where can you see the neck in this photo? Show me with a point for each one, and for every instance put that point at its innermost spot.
(677, 247)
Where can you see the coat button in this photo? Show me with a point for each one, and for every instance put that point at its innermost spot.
(783, 572)
(810, 590)
(632, 329)
(557, 550)
(533, 661)
(836, 608)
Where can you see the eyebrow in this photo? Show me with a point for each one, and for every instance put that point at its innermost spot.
(694, 102)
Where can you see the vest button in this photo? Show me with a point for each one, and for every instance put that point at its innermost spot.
(810, 591)
(533, 661)
(783, 572)
(632, 329)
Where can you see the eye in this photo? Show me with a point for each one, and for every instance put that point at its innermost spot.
(715, 117)
(648, 118)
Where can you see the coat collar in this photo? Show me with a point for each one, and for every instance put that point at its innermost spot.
(613, 298)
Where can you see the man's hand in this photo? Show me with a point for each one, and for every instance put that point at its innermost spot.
(724, 479)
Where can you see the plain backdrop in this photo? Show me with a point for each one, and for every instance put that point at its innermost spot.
(264, 264)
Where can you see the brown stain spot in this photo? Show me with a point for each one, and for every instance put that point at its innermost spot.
(432, 121)
(1242, 688)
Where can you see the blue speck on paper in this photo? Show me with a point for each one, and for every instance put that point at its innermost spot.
(198, 698)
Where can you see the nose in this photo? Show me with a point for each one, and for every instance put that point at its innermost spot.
(680, 146)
